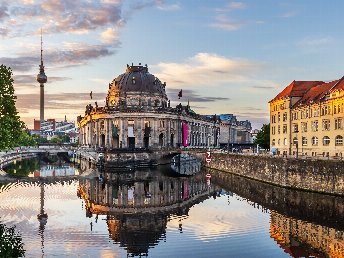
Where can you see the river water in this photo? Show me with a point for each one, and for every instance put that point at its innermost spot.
(62, 211)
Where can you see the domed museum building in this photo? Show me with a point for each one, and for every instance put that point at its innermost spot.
(137, 115)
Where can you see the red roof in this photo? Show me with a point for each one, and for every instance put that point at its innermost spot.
(296, 89)
(316, 93)
(339, 85)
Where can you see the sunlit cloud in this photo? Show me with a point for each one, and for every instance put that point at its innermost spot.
(109, 36)
(205, 69)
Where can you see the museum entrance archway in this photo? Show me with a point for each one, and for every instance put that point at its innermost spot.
(131, 142)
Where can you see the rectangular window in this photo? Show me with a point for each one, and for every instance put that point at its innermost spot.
(295, 128)
(315, 126)
(326, 124)
(285, 128)
(304, 127)
(279, 129)
(285, 117)
(338, 124)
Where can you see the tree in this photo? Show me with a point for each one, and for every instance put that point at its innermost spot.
(25, 139)
(11, 244)
(10, 125)
(263, 137)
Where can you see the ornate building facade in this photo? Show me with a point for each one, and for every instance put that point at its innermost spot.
(137, 114)
(306, 118)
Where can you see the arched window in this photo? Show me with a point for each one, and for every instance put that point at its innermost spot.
(339, 140)
(304, 141)
(326, 140)
(314, 141)
(273, 142)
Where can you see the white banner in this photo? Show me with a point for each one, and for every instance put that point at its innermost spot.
(131, 131)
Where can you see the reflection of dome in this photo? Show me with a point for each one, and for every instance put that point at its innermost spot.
(136, 87)
(137, 233)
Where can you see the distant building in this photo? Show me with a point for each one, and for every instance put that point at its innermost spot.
(306, 118)
(51, 128)
(234, 132)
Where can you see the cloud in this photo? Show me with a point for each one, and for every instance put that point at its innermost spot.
(168, 7)
(72, 54)
(205, 69)
(289, 14)
(315, 42)
(68, 15)
(3, 12)
(109, 36)
(237, 5)
(31, 79)
(223, 23)
(192, 96)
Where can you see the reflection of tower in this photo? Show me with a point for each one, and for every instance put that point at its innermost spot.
(42, 217)
(41, 78)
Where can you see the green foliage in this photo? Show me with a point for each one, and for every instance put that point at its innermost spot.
(263, 137)
(60, 139)
(23, 168)
(11, 244)
(26, 139)
(38, 139)
(10, 125)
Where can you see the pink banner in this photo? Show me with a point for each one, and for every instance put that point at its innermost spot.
(185, 134)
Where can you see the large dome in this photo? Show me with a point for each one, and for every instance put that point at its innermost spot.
(137, 87)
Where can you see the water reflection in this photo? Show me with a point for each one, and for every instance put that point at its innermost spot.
(41, 167)
(304, 224)
(305, 239)
(42, 217)
(138, 205)
(151, 212)
(185, 164)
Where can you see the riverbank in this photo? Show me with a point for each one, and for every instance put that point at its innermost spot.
(323, 176)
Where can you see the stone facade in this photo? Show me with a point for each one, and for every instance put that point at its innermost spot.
(234, 132)
(306, 118)
(326, 176)
(138, 114)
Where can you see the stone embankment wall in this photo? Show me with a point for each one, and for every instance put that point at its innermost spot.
(326, 176)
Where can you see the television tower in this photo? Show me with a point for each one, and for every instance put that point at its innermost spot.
(41, 78)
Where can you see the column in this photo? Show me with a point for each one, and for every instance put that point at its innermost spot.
(120, 133)
(96, 124)
(106, 121)
(168, 133)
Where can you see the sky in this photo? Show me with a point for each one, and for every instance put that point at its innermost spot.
(228, 57)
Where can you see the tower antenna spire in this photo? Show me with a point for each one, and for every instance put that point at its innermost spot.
(41, 78)
(41, 48)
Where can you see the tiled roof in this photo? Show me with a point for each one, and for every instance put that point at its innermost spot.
(296, 89)
(316, 93)
(339, 85)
